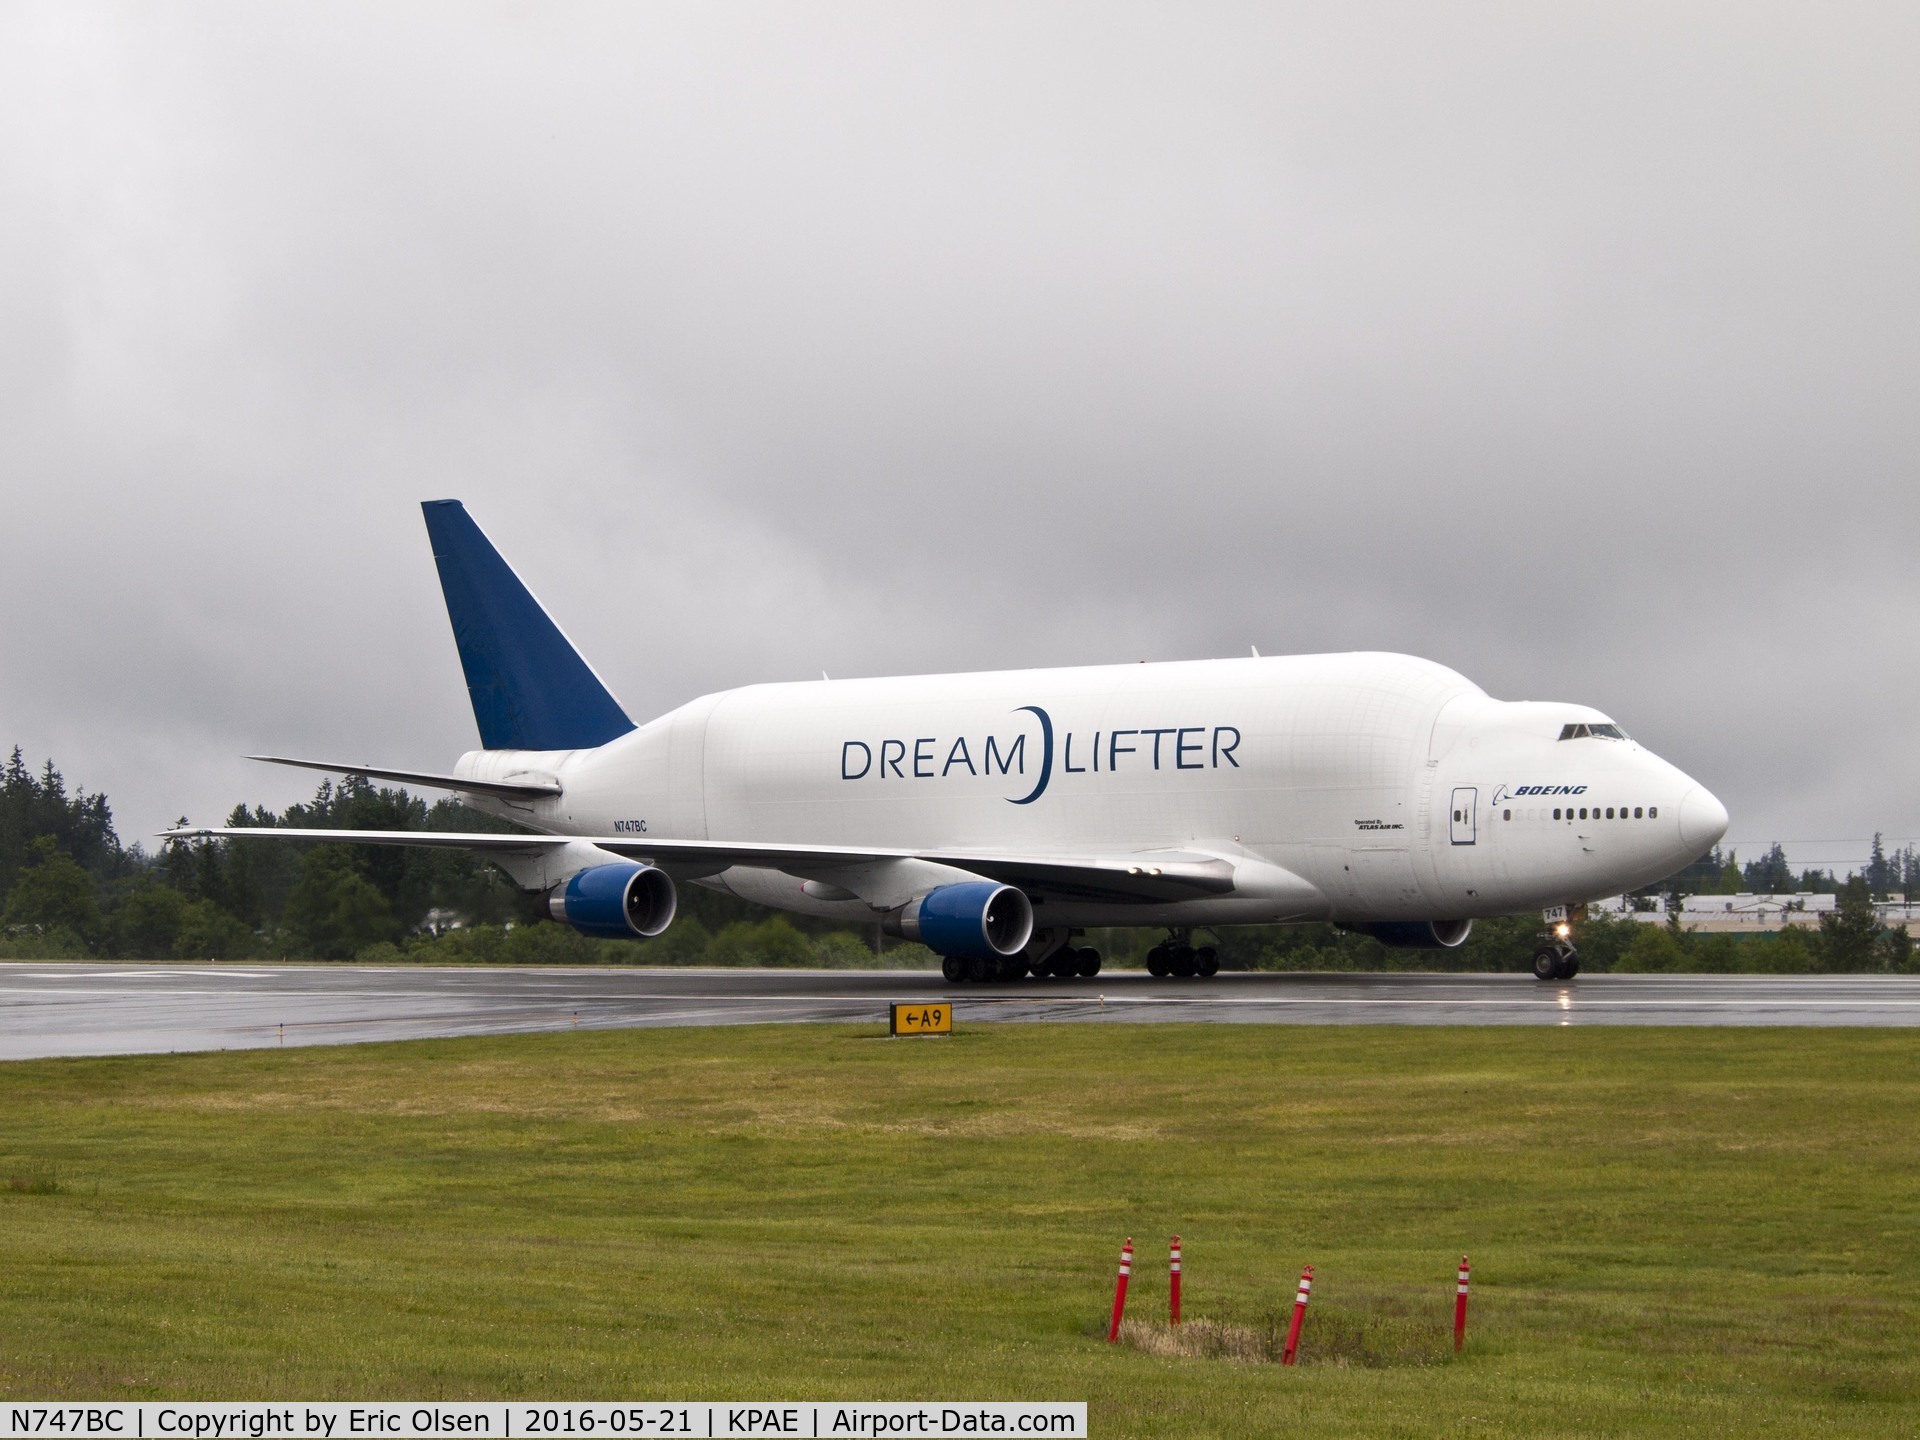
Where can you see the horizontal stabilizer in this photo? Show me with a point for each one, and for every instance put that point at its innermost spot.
(507, 789)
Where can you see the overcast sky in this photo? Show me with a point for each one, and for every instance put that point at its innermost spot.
(1574, 347)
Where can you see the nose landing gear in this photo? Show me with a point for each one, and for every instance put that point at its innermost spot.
(1556, 962)
(1556, 959)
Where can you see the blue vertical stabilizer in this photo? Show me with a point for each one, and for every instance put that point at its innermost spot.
(529, 686)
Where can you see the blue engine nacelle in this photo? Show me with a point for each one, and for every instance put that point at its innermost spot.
(616, 902)
(977, 920)
(1418, 934)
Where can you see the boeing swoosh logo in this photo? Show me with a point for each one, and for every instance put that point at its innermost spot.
(1046, 755)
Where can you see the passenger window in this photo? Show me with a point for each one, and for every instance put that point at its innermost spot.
(1506, 814)
(1653, 812)
(1609, 812)
(1638, 813)
(1556, 813)
(1583, 812)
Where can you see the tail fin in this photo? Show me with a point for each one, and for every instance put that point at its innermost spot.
(530, 688)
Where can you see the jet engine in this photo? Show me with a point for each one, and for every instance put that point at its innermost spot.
(975, 920)
(616, 902)
(1418, 934)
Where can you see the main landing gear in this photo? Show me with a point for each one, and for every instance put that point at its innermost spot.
(1177, 956)
(1051, 957)
(1069, 962)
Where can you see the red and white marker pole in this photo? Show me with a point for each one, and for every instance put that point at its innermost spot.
(1173, 1289)
(1299, 1314)
(1460, 1307)
(1120, 1289)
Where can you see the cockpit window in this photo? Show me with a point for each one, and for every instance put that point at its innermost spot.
(1603, 731)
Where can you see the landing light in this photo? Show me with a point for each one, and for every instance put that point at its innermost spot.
(1563, 930)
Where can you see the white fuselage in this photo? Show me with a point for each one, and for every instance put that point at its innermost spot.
(1352, 787)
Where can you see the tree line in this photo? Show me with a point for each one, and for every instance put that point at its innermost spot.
(1886, 874)
(70, 889)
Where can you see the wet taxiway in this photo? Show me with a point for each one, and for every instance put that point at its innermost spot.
(51, 1009)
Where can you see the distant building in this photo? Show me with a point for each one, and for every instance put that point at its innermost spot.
(1746, 912)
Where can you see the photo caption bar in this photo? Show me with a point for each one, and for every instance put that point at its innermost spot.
(512, 1420)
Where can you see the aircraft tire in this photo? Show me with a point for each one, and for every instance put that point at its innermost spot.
(1180, 962)
(954, 969)
(1570, 965)
(982, 971)
(1546, 963)
(1206, 962)
(1089, 962)
(1157, 962)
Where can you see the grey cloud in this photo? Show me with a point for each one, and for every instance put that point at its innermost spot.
(1572, 347)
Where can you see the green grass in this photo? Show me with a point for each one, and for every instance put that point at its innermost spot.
(1687, 1232)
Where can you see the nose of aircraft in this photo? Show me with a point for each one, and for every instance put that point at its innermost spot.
(1703, 820)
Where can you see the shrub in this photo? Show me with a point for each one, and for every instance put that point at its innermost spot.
(147, 923)
(334, 912)
(1788, 953)
(685, 943)
(54, 942)
(53, 893)
(207, 932)
(1655, 948)
(560, 945)
(772, 942)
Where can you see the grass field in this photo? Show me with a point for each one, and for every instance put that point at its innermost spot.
(1687, 1232)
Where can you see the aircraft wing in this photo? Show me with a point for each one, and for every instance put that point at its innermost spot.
(427, 839)
(1161, 876)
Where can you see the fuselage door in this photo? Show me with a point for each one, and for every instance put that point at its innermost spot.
(1460, 827)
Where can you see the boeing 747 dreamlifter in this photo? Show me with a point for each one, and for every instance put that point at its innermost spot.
(995, 817)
